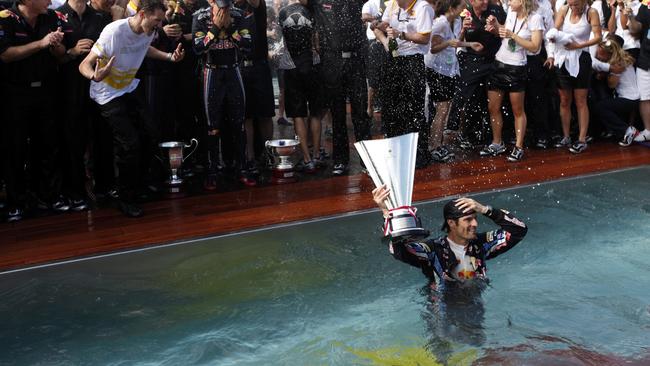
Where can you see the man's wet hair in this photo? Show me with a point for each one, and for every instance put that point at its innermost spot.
(150, 6)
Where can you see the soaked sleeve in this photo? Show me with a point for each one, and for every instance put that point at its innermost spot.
(424, 21)
(104, 47)
(536, 23)
(418, 255)
(202, 37)
(241, 35)
(499, 241)
(6, 33)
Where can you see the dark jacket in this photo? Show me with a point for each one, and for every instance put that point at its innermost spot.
(434, 256)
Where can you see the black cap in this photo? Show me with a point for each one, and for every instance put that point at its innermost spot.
(223, 3)
(451, 211)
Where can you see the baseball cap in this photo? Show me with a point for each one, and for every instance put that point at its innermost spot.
(223, 3)
(451, 211)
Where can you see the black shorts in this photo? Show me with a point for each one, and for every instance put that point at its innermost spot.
(582, 81)
(507, 78)
(302, 96)
(258, 84)
(442, 88)
(376, 63)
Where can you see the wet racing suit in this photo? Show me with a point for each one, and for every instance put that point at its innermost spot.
(436, 258)
(223, 89)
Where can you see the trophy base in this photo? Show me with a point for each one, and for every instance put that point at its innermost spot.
(414, 233)
(173, 189)
(283, 176)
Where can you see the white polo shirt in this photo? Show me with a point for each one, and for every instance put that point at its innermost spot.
(373, 7)
(416, 18)
(129, 49)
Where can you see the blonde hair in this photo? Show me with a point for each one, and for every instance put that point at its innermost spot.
(529, 6)
(618, 55)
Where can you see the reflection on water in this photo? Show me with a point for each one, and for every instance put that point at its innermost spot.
(329, 293)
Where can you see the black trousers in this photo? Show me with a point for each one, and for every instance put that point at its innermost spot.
(536, 99)
(30, 138)
(615, 113)
(471, 101)
(344, 80)
(135, 140)
(75, 132)
(225, 108)
(403, 94)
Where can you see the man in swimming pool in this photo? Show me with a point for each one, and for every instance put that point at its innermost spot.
(461, 254)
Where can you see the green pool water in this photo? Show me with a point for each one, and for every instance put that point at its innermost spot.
(328, 292)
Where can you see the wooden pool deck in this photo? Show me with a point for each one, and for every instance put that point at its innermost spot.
(58, 237)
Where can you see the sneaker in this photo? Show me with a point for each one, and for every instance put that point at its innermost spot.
(516, 155)
(578, 147)
(284, 122)
(464, 143)
(78, 205)
(129, 209)
(323, 155)
(210, 183)
(246, 179)
(493, 149)
(252, 167)
(629, 136)
(339, 169)
(541, 143)
(60, 205)
(564, 142)
(589, 139)
(15, 215)
(442, 155)
(309, 167)
(606, 135)
(642, 136)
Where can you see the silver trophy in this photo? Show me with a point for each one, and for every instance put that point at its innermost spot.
(283, 166)
(174, 153)
(391, 162)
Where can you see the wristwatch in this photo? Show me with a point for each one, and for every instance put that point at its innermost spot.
(488, 211)
(401, 36)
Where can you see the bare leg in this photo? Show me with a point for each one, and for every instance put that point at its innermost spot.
(580, 97)
(566, 98)
(371, 101)
(315, 127)
(517, 101)
(301, 131)
(644, 108)
(439, 122)
(495, 98)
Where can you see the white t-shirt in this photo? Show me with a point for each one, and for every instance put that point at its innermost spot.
(129, 48)
(444, 62)
(629, 41)
(372, 7)
(418, 19)
(524, 29)
(627, 85)
(464, 270)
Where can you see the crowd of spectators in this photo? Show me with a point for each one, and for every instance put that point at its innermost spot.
(91, 88)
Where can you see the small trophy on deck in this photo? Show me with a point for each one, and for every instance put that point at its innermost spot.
(391, 162)
(283, 166)
(173, 151)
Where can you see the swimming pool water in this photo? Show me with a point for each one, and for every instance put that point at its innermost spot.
(329, 293)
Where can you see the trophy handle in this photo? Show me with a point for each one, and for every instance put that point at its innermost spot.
(194, 142)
